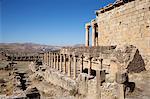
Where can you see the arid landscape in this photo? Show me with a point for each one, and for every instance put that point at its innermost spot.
(113, 62)
(10, 69)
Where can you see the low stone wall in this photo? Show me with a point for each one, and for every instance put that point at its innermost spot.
(56, 78)
(53, 76)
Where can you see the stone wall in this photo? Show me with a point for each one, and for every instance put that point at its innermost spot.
(128, 24)
(53, 76)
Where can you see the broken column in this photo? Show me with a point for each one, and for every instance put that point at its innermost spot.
(87, 27)
(121, 79)
(100, 78)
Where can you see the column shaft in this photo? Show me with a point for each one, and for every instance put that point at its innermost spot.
(81, 68)
(64, 63)
(87, 36)
(57, 62)
(75, 68)
(60, 66)
(49, 59)
(93, 35)
(54, 61)
(69, 66)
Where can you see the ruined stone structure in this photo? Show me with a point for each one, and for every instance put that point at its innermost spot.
(120, 45)
(122, 23)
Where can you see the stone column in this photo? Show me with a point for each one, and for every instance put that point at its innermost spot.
(54, 60)
(69, 66)
(60, 65)
(49, 59)
(75, 67)
(87, 26)
(64, 63)
(81, 68)
(93, 32)
(89, 65)
(58, 61)
(45, 58)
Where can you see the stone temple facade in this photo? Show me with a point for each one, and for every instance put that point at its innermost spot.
(120, 47)
(122, 23)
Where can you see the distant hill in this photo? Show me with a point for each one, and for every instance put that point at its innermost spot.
(26, 47)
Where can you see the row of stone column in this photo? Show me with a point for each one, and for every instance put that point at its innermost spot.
(63, 62)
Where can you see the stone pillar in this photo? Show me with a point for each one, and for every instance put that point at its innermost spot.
(75, 67)
(87, 26)
(45, 58)
(60, 65)
(89, 65)
(93, 32)
(69, 66)
(64, 63)
(100, 77)
(81, 68)
(49, 59)
(54, 60)
(57, 66)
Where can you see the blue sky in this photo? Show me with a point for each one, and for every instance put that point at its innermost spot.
(52, 22)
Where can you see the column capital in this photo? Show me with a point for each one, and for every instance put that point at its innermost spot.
(87, 25)
(81, 56)
(90, 57)
(94, 22)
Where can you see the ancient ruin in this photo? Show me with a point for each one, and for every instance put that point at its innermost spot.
(110, 68)
(120, 47)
